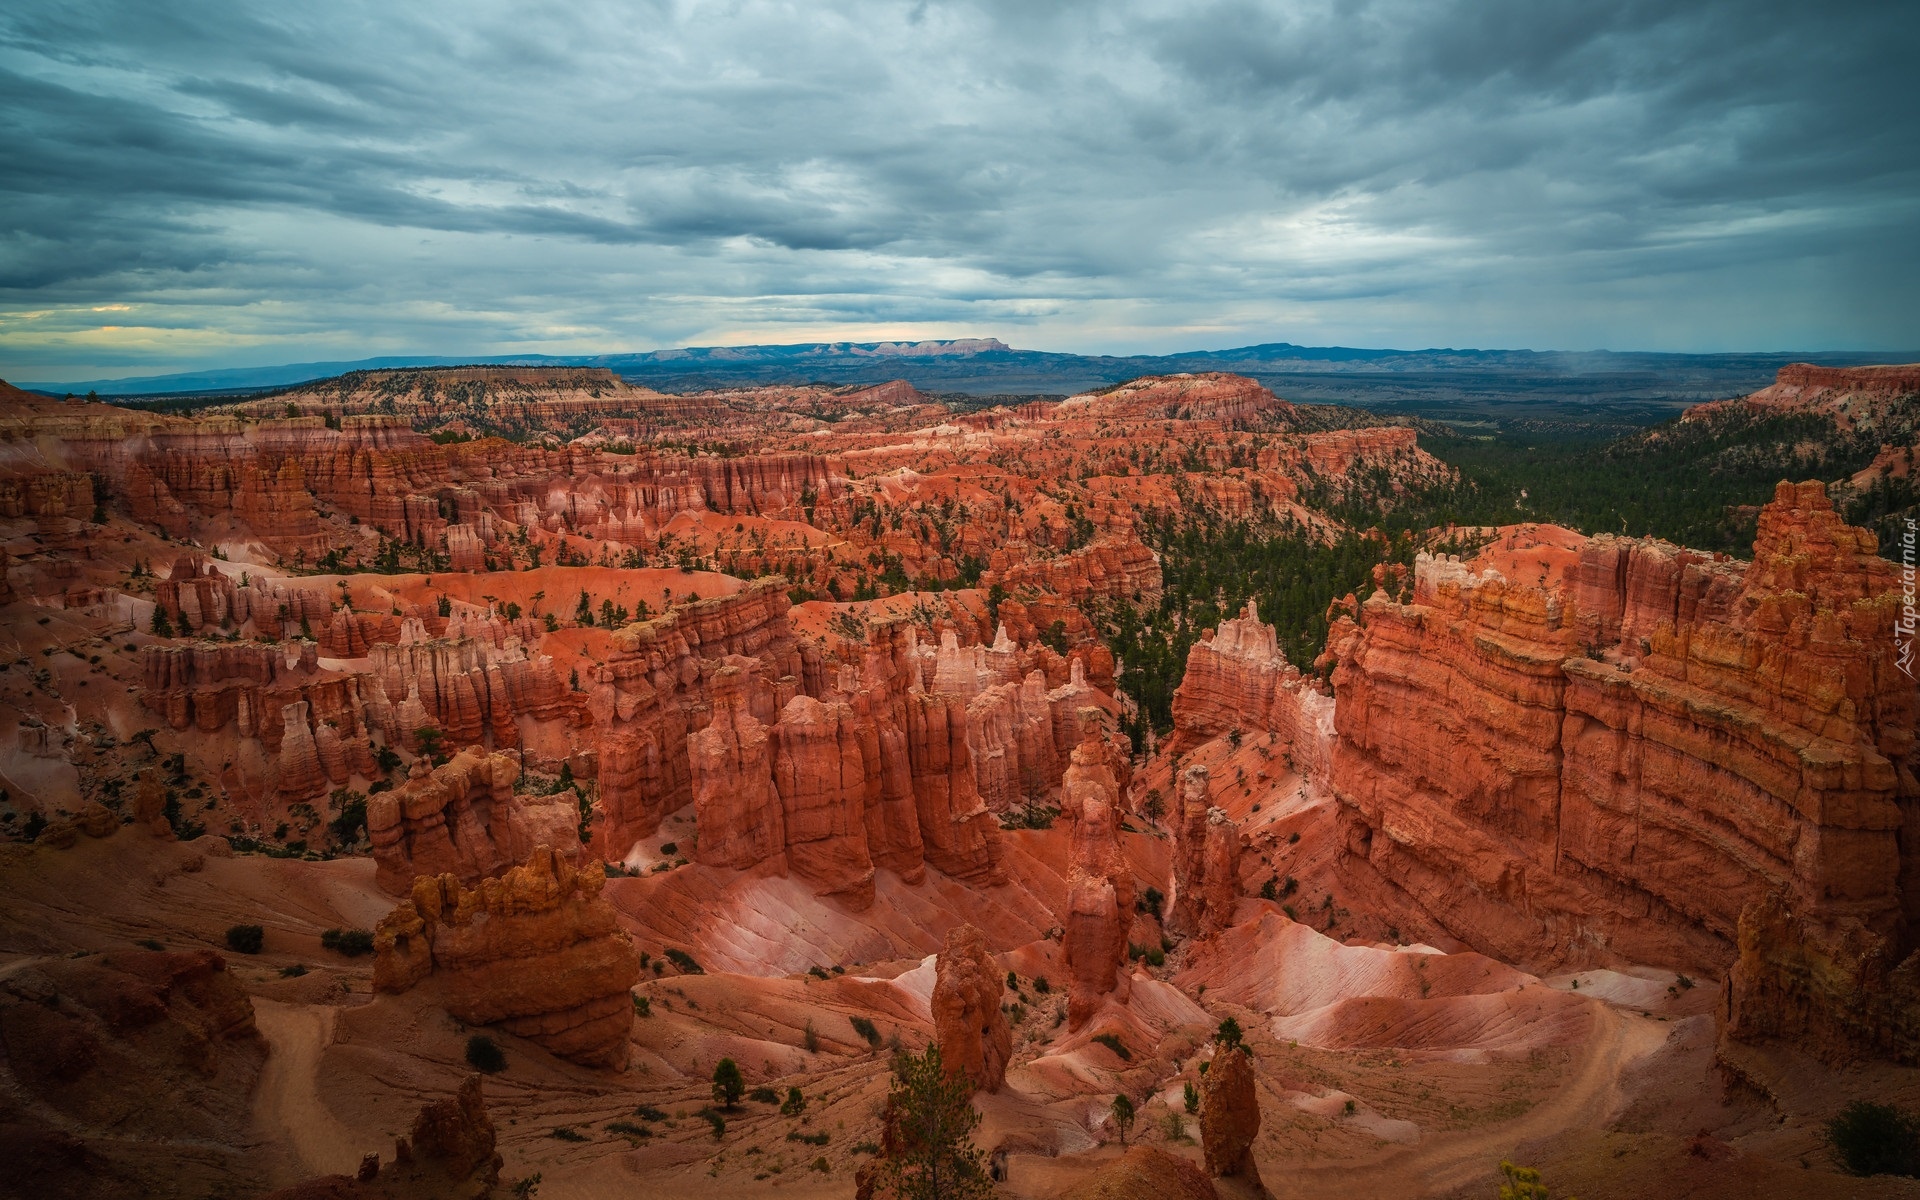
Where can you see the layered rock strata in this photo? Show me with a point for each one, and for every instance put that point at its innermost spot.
(537, 952)
(1236, 678)
(465, 819)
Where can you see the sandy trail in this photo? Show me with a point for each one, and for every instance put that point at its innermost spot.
(1442, 1162)
(287, 1101)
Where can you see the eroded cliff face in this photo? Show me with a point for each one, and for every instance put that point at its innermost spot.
(464, 819)
(537, 951)
(1236, 678)
(1573, 750)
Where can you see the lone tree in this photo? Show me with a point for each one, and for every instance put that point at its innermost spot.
(728, 1084)
(929, 1150)
(1122, 1115)
(1228, 1035)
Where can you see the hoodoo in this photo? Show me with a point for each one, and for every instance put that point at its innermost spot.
(808, 786)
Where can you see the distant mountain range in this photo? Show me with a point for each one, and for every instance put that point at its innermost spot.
(1436, 382)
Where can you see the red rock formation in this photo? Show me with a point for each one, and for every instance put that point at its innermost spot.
(1206, 862)
(1230, 1116)
(456, 1135)
(819, 770)
(449, 1155)
(1099, 885)
(1211, 395)
(1236, 678)
(464, 819)
(537, 952)
(150, 804)
(88, 1040)
(645, 693)
(736, 810)
(1825, 985)
(1577, 748)
(968, 1024)
(960, 836)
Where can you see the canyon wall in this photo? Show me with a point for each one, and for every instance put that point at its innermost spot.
(1576, 750)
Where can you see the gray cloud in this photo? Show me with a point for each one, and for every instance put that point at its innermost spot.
(225, 183)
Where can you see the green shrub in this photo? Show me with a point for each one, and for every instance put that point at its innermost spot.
(567, 1133)
(866, 1030)
(1112, 1042)
(246, 939)
(683, 960)
(794, 1104)
(764, 1095)
(1875, 1139)
(350, 942)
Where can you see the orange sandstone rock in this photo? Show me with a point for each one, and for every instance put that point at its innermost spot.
(1206, 862)
(464, 819)
(1099, 885)
(1230, 1116)
(536, 951)
(968, 1024)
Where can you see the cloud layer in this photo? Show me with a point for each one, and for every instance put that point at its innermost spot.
(223, 183)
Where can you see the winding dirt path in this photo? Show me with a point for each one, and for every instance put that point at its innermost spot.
(287, 1100)
(1442, 1162)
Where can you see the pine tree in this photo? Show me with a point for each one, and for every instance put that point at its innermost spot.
(929, 1151)
(728, 1084)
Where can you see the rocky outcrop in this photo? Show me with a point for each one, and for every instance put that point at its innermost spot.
(1572, 749)
(1099, 885)
(959, 835)
(737, 812)
(1230, 1116)
(537, 952)
(465, 819)
(456, 1136)
(646, 695)
(967, 1021)
(150, 804)
(1206, 862)
(89, 1041)
(1236, 678)
(1207, 396)
(448, 1154)
(820, 773)
(1824, 985)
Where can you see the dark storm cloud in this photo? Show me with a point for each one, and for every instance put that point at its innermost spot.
(223, 182)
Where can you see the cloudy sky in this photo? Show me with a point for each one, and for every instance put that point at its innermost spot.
(213, 183)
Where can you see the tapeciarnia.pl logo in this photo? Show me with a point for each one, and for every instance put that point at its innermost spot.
(1903, 629)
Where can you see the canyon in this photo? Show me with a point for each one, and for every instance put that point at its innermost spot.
(418, 717)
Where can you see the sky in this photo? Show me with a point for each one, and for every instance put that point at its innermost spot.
(211, 184)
